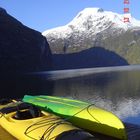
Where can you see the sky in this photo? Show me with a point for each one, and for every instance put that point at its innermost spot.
(42, 15)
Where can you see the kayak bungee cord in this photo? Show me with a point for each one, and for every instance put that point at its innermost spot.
(87, 107)
(38, 125)
(91, 114)
(49, 121)
(66, 119)
(49, 131)
(43, 123)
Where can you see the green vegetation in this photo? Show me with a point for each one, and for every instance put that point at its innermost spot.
(125, 44)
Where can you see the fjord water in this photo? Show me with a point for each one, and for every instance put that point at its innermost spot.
(117, 91)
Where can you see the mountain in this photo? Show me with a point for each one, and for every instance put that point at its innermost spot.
(94, 27)
(22, 50)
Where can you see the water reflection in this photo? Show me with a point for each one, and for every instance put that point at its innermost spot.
(118, 92)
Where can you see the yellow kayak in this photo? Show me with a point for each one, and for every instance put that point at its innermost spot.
(4, 135)
(26, 122)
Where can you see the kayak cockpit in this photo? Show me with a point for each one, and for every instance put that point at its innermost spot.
(22, 111)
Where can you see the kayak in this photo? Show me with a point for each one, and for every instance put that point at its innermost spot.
(81, 114)
(27, 122)
(4, 135)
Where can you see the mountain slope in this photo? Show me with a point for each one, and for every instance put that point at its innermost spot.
(22, 50)
(94, 27)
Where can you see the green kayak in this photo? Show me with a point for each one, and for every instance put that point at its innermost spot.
(81, 114)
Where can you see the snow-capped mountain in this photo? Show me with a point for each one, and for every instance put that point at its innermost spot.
(93, 21)
(94, 28)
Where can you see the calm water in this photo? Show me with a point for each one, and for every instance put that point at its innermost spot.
(118, 92)
(116, 89)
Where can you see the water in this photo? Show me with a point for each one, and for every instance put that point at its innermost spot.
(117, 91)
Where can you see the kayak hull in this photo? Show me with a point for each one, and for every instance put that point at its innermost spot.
(81, 114)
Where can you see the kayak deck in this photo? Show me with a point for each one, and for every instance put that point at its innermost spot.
(4, 135)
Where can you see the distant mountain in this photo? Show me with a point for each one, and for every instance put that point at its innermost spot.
(93, 57)
(94, 27)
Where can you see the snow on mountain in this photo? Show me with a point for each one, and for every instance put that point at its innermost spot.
(93, 21)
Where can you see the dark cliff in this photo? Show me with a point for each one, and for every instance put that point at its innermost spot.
(22, 50)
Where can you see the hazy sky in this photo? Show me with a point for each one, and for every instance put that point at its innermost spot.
(46, 14)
